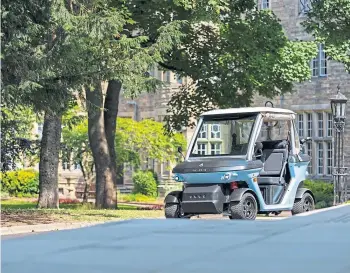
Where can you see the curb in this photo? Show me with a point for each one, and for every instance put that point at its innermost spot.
(44, 227)
(320, 210)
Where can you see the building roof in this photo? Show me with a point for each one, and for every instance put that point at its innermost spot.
(247, 110)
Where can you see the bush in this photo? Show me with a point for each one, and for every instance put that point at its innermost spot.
(21, 183)
(144, 183)
(322, 191)
(138, 197)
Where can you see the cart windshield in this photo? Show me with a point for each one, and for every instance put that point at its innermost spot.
(223, 135)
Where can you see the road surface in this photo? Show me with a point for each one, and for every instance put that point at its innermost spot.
(319, 243)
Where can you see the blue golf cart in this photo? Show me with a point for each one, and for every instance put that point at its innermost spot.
(242, 162)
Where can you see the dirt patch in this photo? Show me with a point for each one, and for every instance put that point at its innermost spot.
(14, 218)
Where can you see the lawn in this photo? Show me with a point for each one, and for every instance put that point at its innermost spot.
(17, 212)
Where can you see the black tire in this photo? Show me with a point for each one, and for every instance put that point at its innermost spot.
(306, 203)
(172, 210)
(246, 208)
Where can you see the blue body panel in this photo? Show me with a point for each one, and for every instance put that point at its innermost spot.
(297, 170)
(216, 177)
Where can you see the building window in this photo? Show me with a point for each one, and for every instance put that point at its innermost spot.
(320, 124)
(179, 80)
(322, 147)
(167, 76)
(203, 131)
(309, 152)
(309, 125)
(265, 4)
(215, 131)
(329, 158)
(329, 125)
(301, 125)
(319, 64)
(304, 6)
(320, 158)
(151, 71)
(202, 148)
(39, 130)
(215, 148)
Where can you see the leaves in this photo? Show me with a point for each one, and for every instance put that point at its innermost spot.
(231, 59)
(329, 22)
(134, 142)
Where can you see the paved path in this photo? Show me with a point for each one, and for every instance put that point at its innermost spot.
(319, 243)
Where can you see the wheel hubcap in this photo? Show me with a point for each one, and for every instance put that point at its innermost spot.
(249, 208)
(308, 204)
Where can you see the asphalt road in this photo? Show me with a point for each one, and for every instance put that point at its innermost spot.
(319, 243)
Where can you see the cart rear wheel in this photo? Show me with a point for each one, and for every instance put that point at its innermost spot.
(306, 203)
(246, 208)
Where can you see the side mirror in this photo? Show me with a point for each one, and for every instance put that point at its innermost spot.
(179, 150)
(305, 140)
(258, 146)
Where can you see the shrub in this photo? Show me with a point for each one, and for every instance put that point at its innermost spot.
(144, 183)
(21, 183)
(136, 197)
(323, 192)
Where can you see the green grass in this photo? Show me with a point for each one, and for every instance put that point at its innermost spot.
(17, 212)
(23, 204)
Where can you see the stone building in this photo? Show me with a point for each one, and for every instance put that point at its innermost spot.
(310, 100)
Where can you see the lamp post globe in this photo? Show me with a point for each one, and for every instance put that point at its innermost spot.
(338, 105)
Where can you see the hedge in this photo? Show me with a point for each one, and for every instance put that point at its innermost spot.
(145, 183)
(21, 183)
(323, 192)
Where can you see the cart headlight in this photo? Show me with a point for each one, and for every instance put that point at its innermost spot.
(178, 178)
(228, 176)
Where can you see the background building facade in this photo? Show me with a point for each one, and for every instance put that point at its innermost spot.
(310, 100)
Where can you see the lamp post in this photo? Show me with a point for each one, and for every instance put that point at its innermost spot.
(338, 105)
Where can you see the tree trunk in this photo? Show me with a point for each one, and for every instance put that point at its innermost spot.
(110, 121)
(105, 175)
(49, 161)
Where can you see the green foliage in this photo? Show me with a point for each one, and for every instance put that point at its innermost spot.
(322, 191)
(328, 22)
(230, 57)
(145, 139)
(17, 145)
(21, 183)
(134, 141)
(144, 183)
(135, 197)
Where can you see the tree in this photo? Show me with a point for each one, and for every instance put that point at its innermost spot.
(134, 141)
(17, 144)
(54, 48)
(329, 22)
(36, 67)
(231, 52)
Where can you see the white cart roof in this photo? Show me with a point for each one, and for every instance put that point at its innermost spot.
(247, 110)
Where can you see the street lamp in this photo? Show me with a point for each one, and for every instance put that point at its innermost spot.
(338, 105)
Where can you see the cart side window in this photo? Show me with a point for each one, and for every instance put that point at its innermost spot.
(275, 130)
(224, 136)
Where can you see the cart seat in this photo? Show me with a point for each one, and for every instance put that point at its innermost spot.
(275, 160)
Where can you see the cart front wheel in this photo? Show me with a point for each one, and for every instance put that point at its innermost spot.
(246, 208)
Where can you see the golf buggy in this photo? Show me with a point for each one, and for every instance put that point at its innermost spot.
(242, 162)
